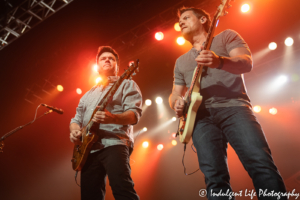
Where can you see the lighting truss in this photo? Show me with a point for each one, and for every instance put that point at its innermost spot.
(131, 43)
(38, 91)
(25, 16)
(134, 39)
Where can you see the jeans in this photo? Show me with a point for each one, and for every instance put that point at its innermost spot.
(214, 128)
(113, 162)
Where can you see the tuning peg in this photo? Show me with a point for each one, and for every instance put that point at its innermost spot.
(225, 13)
(229, 6)
(133, 74)
(137, 70)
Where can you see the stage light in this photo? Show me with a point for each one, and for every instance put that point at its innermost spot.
(145, 144)
(60, 88)
(98, 80)
(148, 102)
(273, 111)
(177, 27)
(159, 36)
(272, 46)
(174, 142)
(160, 147)
(289, 41)
(257, 109)
(174, 119)
(145, 129)
(174, 135)
(95, 68)
(281, 80)
(130, 63)
(245, 8)
(180, 40)
(158, 100)
(78, 90)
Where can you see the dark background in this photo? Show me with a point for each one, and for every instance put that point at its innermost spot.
(36, 163)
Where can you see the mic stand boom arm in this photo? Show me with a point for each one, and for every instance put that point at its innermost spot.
(18, 128)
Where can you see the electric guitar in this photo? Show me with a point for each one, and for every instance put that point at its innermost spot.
(193, 98)
(89, 132)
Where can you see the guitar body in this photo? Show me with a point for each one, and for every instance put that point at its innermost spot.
(81, 152)
(187, 121)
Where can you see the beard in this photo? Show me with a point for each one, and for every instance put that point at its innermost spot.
(107, 72)
(187, 36)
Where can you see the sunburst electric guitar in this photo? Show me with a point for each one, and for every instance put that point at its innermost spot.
(89, 132)
(193, 98)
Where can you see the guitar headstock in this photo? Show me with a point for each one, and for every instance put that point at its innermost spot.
(133, 68)
(222, 8)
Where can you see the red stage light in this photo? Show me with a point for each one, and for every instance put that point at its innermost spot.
(272, 46)
(60, 88)
(145, 144)
(180, 40)
(160, 147)
(174, 142)
(95, 68)
(245, 8)
(98, 80)
(158, 100)
(289, 41)
(129, 64)
(148, 102)
(257, 109)
(159, 36)
(78, 90)
(177, 27)
(273, 111)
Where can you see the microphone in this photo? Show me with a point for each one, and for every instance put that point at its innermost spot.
(59, 111)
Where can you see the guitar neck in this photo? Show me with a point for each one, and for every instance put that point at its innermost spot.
(207, 45)
(108, 96)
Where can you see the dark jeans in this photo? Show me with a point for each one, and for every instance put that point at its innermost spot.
(113, 162)
(214, 128)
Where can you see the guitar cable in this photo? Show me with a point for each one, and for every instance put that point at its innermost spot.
(184, 169)
(76, 178)
(192, 146)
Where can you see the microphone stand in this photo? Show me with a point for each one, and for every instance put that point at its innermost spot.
(18, 128)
